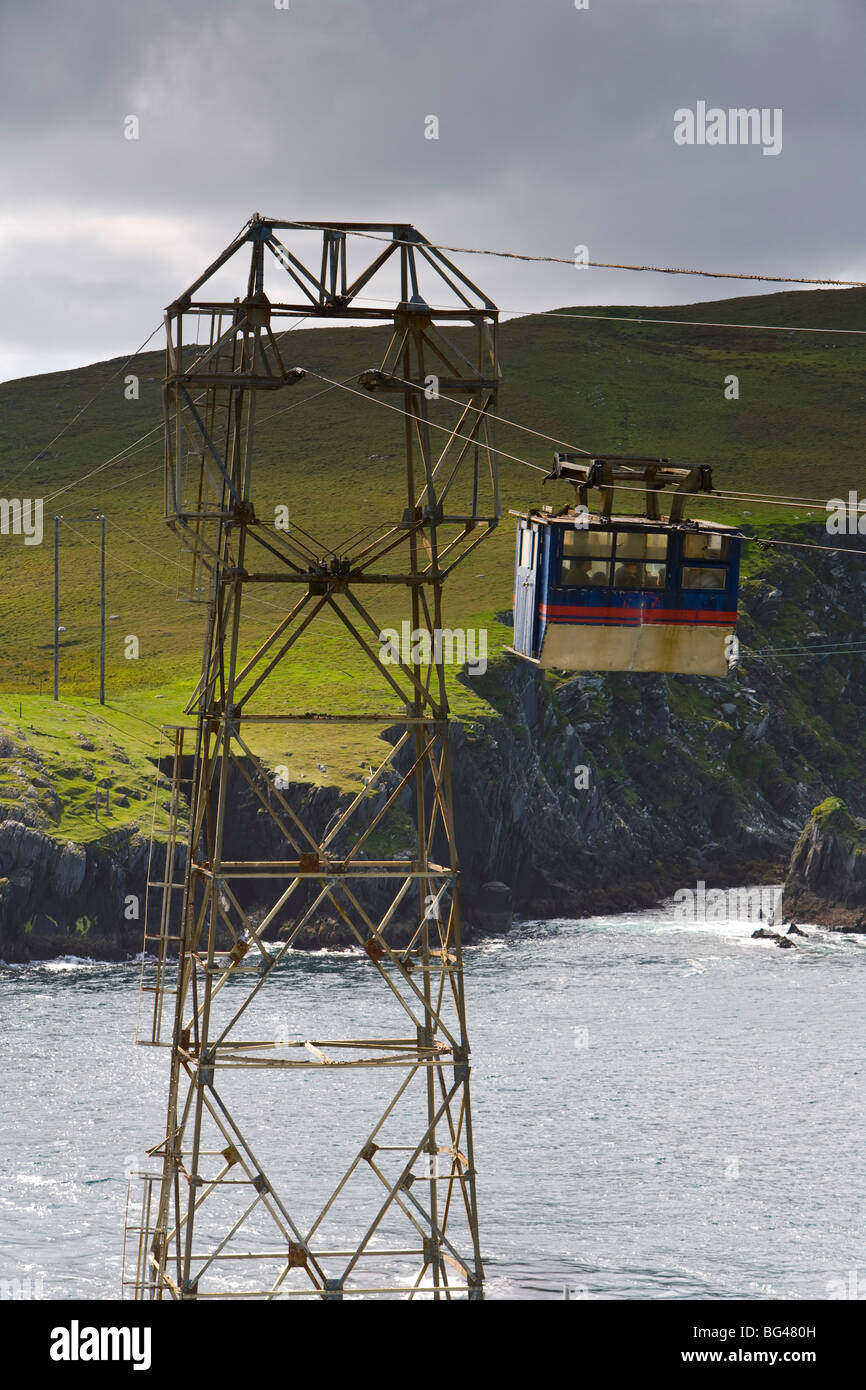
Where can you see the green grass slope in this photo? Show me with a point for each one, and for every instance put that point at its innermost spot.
(336, 460)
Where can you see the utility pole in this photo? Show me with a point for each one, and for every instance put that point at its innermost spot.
(57, 520)
(56, 606)
(102, 611)
(221, 1219)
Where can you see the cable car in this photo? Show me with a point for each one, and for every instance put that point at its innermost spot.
(600, 592)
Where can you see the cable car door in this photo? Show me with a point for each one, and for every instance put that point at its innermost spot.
(524, 590)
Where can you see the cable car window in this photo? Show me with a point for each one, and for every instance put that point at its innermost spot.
(631, 575)
(699, 578)
(597, 545)
(526, 539)
(637, 545)
(584, 573)
(708, 546)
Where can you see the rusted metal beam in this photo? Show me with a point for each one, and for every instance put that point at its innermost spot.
(212, 1189)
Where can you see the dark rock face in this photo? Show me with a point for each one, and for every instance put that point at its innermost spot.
(764, 604)
(579, 793)
(493, 908)
(65, 899)
(593, 793)
(599, 793)
(826, 881)
(784, 942)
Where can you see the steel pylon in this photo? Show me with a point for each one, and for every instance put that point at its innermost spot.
(397, 1216)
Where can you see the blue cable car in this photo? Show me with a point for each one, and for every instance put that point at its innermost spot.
(626, 593)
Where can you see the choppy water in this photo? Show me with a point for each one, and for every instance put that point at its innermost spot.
(660, 1111)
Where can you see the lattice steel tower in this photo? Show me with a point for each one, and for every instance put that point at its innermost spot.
(399, 1217)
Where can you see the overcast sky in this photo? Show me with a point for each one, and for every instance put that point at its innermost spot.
(556, 128)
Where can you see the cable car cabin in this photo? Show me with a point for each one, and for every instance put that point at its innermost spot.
(625, 593)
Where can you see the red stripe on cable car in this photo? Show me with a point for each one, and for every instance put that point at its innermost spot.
(642, 616)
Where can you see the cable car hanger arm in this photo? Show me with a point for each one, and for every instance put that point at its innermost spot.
(656, 473)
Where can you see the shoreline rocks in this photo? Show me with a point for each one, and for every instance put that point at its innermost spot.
(577, 794)
(826, 880)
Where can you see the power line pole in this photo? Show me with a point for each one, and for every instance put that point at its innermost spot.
(401, 1219)
(56, 606)
(57, 520)
(102, 612)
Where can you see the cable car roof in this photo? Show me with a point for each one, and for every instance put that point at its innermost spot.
(591, 522)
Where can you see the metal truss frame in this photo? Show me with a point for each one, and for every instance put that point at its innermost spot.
(214, 1197)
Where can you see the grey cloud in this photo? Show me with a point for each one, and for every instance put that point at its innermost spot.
(556, 128)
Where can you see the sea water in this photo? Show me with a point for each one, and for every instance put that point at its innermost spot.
(661, 1110)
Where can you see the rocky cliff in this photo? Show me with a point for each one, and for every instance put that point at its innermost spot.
(582, 793)
(59, 898)
(826, 881)
(597, 792)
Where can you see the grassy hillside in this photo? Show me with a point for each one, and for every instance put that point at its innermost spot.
(83, 770)
(336, 460)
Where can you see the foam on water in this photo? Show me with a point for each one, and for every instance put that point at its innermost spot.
(662, 1109)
